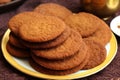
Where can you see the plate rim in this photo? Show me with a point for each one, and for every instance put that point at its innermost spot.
(11, 61)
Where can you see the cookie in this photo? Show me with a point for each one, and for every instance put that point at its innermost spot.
(102, 35)
(4, 1)
(85, 23)
(42, 29)
(97, 53)
(44, 70)
(17, 52)
(15, 41)
(68, 48)
(63, 64)
(52, 9)
(22, 18)
(48, 44)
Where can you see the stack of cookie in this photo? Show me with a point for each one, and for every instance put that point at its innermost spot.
(15, 48)
(90, 27)
(52, 44)
(14, 45)
(65, 58)
(58, 43)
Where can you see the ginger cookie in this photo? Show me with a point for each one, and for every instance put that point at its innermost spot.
(97, 53)
(22, 18)
(4, 1)
(44, 70)
(15, 41)
(85, 23)
(102, 35)
(17, 52)
(52, 9)
(49, 44)
(42, 29)
(67, 48)
(63, 64)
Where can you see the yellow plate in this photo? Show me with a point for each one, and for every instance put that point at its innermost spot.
(23, 65)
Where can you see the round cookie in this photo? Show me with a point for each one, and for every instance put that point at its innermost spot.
(52, 9)
(15, 41)
(49, 44)
(63, 64)
(44, 70)
(42, 29)
(97, 53)
(68, 48)
(102, 35)
(17, 52)
(85, 23)
(22, 18)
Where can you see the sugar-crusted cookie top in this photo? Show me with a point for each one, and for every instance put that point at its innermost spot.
(22, 18)
(68, 48)
(97, 53)
(83, 22)
(66, 63)
(53, 9)
(42, 29)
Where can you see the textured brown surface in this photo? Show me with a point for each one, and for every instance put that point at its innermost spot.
(4, 1)
(52, 9)
(84, 23)
(45, 28)
(14, 40)
(8, 72)
(68, 48)
(103, 38)
(97, 53)
(17, 52)
(48, 44)
(19, 19)
(41, 69)
(63, 64)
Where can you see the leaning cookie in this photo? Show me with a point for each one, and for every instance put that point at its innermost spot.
(97, 53)
(44, 70)
(52, 9)
(22, 18)
(17, 52)
(48, 44)
(85, 23)
(102, 35)
(15, 41)
(68, 48)
(42, 29)
(63, 64)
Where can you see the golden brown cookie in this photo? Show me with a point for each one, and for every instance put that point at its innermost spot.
(85, 23)
(15, 41)
(63, 64)
(52, 9)
(4, 1)
(17, 52)
(48, 44)
(102, 35)
(97, 53)
(44, 70)
(42, 29)
(68, 48)
(22, 18)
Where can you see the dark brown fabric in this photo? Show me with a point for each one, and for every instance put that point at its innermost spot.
(7, 72)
